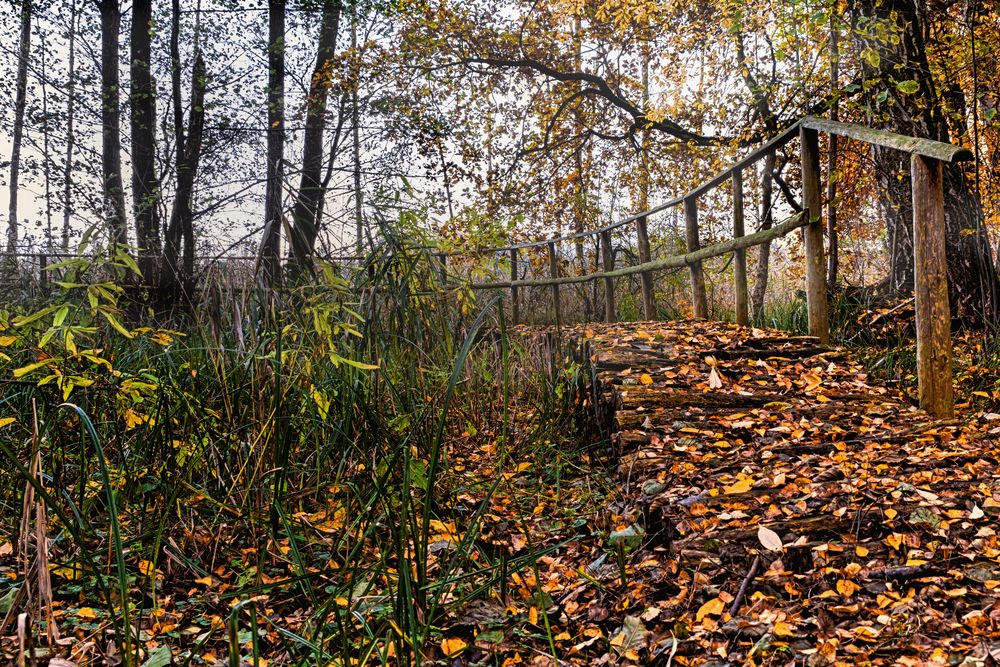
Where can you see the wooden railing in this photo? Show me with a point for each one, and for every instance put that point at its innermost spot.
(932, 308)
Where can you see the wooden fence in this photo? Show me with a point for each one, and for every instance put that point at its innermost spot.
(932, 309)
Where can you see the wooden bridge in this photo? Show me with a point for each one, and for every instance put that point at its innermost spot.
(931, 293)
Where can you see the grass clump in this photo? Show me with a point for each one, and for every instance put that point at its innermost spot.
(280, 476)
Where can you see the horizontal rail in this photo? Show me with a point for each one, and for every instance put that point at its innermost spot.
(672, 262)
(926, 147)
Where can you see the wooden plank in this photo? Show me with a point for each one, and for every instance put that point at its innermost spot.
(934, 372)
(812, 236)
(610, 310)
(554, 272)
(645, 278)
(673, 262)
(699, 296)
(926, 147)
(740, 256)
(515, 303)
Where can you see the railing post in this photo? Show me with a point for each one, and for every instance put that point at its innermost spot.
(443, 269)
(554, 272)
(931, 288)
(515, 306)
(43, 275)
(812, 236)
(610, 311)
(740, 256)
(645, 278)
(699, 298)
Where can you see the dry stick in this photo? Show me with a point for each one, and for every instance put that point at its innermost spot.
(743, 586)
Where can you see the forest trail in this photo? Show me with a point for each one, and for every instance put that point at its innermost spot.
(778, 501)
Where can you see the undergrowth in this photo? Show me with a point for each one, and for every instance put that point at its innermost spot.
(203, 477)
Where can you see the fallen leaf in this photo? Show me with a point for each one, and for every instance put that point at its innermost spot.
(770, 539)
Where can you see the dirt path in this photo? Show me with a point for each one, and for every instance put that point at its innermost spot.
(788, 511)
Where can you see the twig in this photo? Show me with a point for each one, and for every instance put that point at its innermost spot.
(735, 607)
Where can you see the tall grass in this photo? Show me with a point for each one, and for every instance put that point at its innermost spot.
(302, 437)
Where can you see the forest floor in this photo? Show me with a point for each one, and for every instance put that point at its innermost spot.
(762, 502)
(774, 507)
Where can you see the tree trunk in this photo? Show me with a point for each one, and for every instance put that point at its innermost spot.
(764, 250)
(111, 144)
(359, 211)
(180, 231)
(273, 214)
(907, 102)
(304, 230)
(145, 185)
(70, 131)
(21, 97)
(833, 258)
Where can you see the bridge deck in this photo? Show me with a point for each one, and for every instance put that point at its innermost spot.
(885, 516)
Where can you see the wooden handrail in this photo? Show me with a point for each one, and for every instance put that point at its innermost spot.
(914, 145)
(672, 262)
(900, 142)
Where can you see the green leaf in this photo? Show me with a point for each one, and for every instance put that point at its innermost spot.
(908, 87)
(24, 370)
(116, 323)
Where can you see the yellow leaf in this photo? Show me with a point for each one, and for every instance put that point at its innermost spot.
(646, 378)
(452, 647)
(782, 629)
(6, 341)
(86, 613)
(861, 551)
(7, 421)
(533, 616)
(147, 568)
(891, 513)
(895, 541)
(741, 486)
(713, 607)
(847, 588)
(204, 581)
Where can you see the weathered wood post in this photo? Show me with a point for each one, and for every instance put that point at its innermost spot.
(610, 311)
(645, 278)
(699, 297)
(43, 275)
(930, 271)
(515, 305)
(554, 273)
(443, 268)
(740, 256)
(812, 236)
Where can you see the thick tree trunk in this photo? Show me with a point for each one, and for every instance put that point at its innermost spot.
(20, 102)
(907, 102)
(111, 145)
(145, 185)
(304, 230)
(273, 214)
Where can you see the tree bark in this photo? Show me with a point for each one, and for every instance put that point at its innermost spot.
(273, 213)
(304, 230)
(20, 102)
(111, 145)
(70, 131)
(145, 185)
(180, 232)
(764, 249)
(907, 102)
